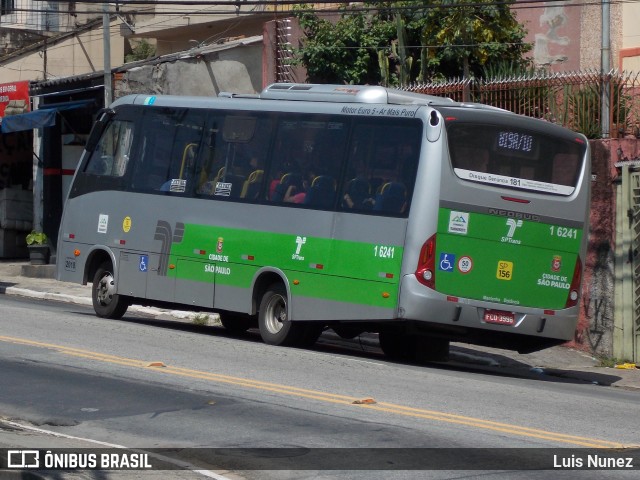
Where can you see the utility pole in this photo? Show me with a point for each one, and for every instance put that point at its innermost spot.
(605, 120)
(106, 41)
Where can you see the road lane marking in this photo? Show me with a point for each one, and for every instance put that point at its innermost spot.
(327, 397)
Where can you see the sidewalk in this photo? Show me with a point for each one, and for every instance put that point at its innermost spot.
(562, 363)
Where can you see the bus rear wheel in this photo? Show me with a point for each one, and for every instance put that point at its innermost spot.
(106, 302)
(417, 348)
(275, 326)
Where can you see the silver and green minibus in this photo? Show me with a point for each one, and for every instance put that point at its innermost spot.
(356, 208)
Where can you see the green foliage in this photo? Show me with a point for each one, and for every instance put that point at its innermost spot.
(400, 42)
(473, 37)
(533, 99)
(141, 51)
(586, 108)
(344, 52)
(36, 238)
(200, 319)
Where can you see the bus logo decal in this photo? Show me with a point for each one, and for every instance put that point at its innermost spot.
(556, 263)
(166, 236)
(219, 245)
(447, 261)
(516, 215)
(512, 224)
(458, 222)
(299, 242)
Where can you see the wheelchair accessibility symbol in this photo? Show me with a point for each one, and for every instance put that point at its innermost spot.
(144, 263)
(447, 261)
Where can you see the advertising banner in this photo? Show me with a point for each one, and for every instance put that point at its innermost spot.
(18, 94)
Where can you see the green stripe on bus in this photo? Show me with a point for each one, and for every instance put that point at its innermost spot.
(339, 270)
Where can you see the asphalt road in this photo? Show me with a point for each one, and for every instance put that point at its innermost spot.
(145, 383)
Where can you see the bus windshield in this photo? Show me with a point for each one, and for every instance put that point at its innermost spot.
(515, 158)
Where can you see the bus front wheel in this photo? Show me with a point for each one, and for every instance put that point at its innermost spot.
(275, 326)
(106, 302)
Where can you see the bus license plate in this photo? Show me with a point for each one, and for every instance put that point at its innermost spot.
(501, 318)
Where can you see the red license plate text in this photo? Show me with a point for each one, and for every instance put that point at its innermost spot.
(501, 318)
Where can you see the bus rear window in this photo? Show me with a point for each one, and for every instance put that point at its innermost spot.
(511, 157)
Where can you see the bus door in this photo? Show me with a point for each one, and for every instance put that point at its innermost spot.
(169, 144)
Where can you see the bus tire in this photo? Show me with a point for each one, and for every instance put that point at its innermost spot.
(235, 323)
(275, 327)
(429, 349)
(312, 332)
(107, 303)
(396, 346)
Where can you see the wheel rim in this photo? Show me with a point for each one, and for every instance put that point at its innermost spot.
(276, 314)
(105, 289)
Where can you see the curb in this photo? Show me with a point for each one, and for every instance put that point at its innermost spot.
(78, 300)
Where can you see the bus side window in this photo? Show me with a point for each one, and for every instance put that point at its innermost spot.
(170, 145)
(111, 155)
(392, 198)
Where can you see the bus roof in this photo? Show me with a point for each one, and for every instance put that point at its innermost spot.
(343, 94)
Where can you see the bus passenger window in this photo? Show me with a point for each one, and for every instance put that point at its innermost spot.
(357, 195)
(170, 144)
(307, 160)
(392, 198)
(382, 164)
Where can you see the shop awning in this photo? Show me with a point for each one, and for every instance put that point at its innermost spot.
(29, 121)
(45, 116)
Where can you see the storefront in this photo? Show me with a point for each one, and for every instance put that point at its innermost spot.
(52, 131)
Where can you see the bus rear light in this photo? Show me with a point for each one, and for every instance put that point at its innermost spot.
(425, 273)
(514, 199)
(574, 295)
(452, 299)
(549, 312)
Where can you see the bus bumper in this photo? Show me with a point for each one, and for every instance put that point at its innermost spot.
(464, 318)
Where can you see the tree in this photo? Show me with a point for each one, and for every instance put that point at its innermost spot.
(140, 51)
(472, 37)
(401, 42)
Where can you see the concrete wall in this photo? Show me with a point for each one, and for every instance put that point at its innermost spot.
(237, 70)
(595, 332)
(567, 36)
(595, 327)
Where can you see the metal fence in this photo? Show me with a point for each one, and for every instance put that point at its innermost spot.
(571, 99)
